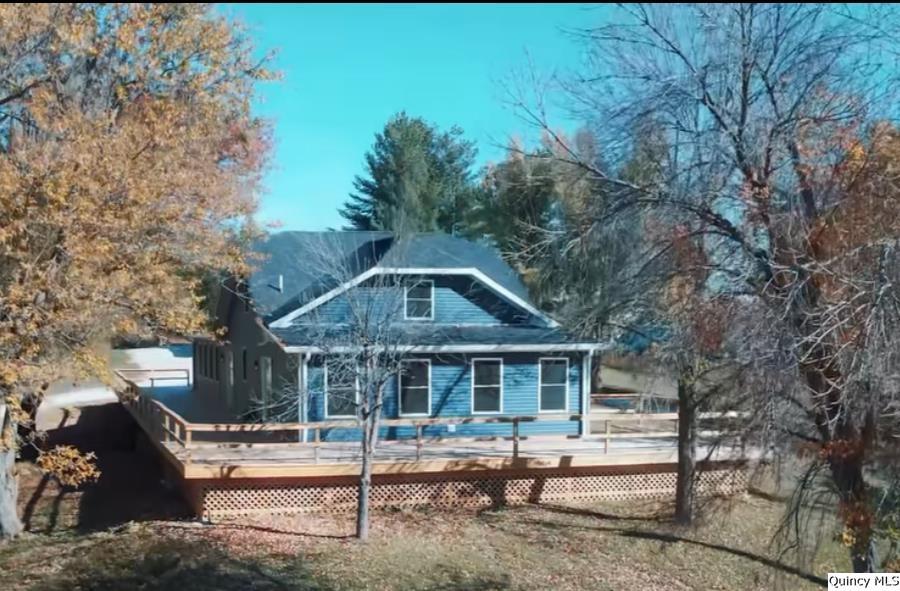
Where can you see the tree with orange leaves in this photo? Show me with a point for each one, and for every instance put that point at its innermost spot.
(128, 163)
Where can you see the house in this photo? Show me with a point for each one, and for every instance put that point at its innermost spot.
(472, 343)
(485, 399)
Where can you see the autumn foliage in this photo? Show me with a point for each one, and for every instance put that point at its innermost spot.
(128, 162)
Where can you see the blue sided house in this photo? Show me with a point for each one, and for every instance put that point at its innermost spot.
(447, 318)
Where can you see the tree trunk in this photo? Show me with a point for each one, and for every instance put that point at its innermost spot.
(362, 502)
(371, 424)
(846, 444)
(10, 524)
(687, 454)
(847, 473)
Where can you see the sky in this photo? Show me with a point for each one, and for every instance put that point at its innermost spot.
(347, 68)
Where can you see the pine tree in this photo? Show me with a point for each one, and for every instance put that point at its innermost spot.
(418, 179)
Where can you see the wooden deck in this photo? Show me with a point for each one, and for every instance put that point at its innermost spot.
(228, 469)
(204, 451)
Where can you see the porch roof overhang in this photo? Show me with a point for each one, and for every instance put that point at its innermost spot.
(467, 348)
(435, 338)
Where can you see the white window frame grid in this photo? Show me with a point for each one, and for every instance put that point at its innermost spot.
(541, 361)
(400, 389)
(409, 283)
(355, 394)
(472, 363)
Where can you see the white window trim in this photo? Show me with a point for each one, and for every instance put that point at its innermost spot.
(541, 383)
(400, 389)
(472, 387)
(411, 283)
(470, 349)
(286, 320)
(355, 394)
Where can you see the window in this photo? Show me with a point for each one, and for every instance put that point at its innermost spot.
(419, 302)
(415, 387)
(487, 385)
(554, 384)
(341, 390)
(244, 363)
(230, 378)
(206, 360)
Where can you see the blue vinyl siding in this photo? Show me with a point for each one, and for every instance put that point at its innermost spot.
(457, 300)
(451, 397)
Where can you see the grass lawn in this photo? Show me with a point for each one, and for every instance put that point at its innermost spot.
(604, 546)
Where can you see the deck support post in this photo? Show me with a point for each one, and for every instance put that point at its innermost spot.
(316, 446)
(515, 437)
(418, 442)
(606, 441)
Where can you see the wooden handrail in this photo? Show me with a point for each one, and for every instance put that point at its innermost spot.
(183, 374)
(663, 416)
(170, 426)
(354, 424)
(641, 418)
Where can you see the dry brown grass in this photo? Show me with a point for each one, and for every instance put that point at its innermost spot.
(604, 546)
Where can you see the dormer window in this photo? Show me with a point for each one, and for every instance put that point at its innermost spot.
(419, 301)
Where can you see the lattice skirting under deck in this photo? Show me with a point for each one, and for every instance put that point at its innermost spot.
(217, 499)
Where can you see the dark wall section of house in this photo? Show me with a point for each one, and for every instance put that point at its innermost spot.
(238, 377)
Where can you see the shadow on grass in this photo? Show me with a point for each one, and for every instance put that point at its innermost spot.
(636, 533)
(272, 530)
(162, 565)
(455, 581)
(131, 486)
(657, 517)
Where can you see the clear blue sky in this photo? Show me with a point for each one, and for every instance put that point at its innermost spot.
(347, 68)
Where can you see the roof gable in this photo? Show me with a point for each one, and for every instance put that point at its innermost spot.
(287, 279)
(287, 255)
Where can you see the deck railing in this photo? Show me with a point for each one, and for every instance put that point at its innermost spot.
(176, 374)
(157, 419)
(652, 425)
(169, 427)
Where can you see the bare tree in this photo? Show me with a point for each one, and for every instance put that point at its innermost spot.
(774, 107)
(361, 346)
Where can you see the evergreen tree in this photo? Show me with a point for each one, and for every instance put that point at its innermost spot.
(418, 179)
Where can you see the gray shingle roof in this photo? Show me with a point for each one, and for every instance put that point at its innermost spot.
(428, 335)
(301, 257)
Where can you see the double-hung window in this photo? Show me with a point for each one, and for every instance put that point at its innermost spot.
(554, 384)
(415, 387)
(341, 390)
(419, 301)
(487, 385)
